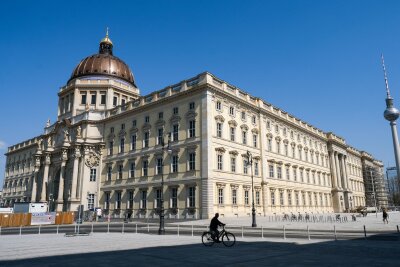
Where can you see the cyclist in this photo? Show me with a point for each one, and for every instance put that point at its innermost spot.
(214, 227)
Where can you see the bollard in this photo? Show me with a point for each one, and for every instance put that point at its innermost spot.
(39, 229)
(57, 228)
(192, 229)
(397, 229)
(242, 231)
(0, 230)
(108, 228)
(178, 229)
(75, 228)
(365, 233)
(262, 231)
(308, 232)
(148, 227)
(20, 230)
(92, 228)
(136, 228)
(123, 227)
(334, 230)
(284, 232)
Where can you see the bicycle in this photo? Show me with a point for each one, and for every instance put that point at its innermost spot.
(228, 239)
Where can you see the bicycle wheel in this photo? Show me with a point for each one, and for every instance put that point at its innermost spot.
(228, 239)
(207, 240)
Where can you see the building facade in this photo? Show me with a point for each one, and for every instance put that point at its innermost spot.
(112, 147)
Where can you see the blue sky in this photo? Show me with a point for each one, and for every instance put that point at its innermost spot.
(318, 60)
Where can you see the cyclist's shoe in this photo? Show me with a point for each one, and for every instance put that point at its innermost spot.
(217, 241)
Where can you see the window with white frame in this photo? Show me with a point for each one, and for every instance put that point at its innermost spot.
(289, 195)
(220, 196)
(110, 148)
(244, 137)
(107, 200)
(118, 200)
(297, 198)
(93, 172)
(146, 139)
(231, 110)
(159, 162)
(175, 110)
(145, 167)
(269, 144)
(122, 145)
(279, 172)
(255, 140)
(192, 128)
(272, 197)
(219, 162)
(160, 115)
(147, 119)
(234, 196)
(134, 123)
(158, 198)
(308, 176)
(278, 146)
(160, 134)
(271, 171)
(302, 175)
(281, 198)
(257, 197)
(256, 168)
(245, 166)
(253, 119)
(286, 150)
(287, 173)
(219, 129)
(243, 115)
(132, 170)
(130, 199)
(246, 197)
(295, 174)
(90, 201)
(174, 166)
(192, 161)
(191, 105)
(175, 132)
(303, 198)
(268, 125)
(109, 172)
(293, 152)
(133, 142)
(218, 106)
(233, 164)
(192, 197)
(232, 133)
(143, 199)
(174, 197)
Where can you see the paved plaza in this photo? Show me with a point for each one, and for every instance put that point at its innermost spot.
(126, 249)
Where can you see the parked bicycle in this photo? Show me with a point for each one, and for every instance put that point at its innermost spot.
(228, 239)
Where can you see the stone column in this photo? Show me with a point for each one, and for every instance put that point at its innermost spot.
(346, 176)
(34, 187)
(264, 196)
(61, 186)
(339, 174)
(333, 168)
(45, 177)
(77, 155)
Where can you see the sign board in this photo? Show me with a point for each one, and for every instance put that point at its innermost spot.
(39, 218)
(6, 210)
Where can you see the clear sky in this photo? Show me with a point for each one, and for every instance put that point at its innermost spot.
(318, 60)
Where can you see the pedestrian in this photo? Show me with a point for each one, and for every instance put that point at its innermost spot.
(385, 216)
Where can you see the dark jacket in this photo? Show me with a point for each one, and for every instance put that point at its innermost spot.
(215, 223)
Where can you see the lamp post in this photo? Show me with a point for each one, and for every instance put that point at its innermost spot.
(161, 229)
(253, 210)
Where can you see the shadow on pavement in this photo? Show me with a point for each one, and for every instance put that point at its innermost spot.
(358, 252)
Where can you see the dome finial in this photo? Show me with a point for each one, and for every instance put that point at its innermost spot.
(106, 45)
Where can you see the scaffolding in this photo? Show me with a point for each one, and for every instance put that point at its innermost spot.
(376, 194)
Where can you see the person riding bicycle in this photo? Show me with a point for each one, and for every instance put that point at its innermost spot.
(214, 227)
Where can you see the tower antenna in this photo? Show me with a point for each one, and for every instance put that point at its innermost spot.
(386, 80)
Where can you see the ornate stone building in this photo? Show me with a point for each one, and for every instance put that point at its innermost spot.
(108, 149)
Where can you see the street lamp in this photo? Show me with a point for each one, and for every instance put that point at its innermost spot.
(253, 210)
(161, 230)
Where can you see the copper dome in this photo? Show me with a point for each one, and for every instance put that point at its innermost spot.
(104, 64)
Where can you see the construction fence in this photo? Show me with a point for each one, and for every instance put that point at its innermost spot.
(25, 219)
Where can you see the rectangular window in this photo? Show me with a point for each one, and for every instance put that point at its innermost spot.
(134, 122)
(256, 168)
(191, 105)
(192, 161)
(293, 152)
(145, 167)
(143, 199)
(278, 147)
(120, 169)
(174, 197)
(244, 137)
(257, 197)
(175, 129)
(273, 198)
(289, 195)
(110, 148)
(103, 99)
(123, 101)
(286, 150)
(295, 174)
(175, 110)
(287, 173)
(93, 174)
(133, 142)
(297, 198)
(269, 145)
(254, 140)
(192, 128)
(115, 101)
(231, 111)
(218, 105)
(271, 171)
(160, 134)
(281, 198)
(243, 115)
(175, 163)
(132, 170)
(232, 131)
(90, 201)
(245, 166)
(123, 126)
(160, 115)
(146, 139)
(122, 145)
(246, 197)
(130, 199)
(279, 172)
(234, 196)
(233, 164)
(93, 99)
(118, 200)
(192, 197)
(159, 163)
(302, 176)
(219, 162)
(158, 198)
(219, 129)
(253, 119)
(220, 196)
(107, 200)
(83, 98)
(147, 119)
(109, 170)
